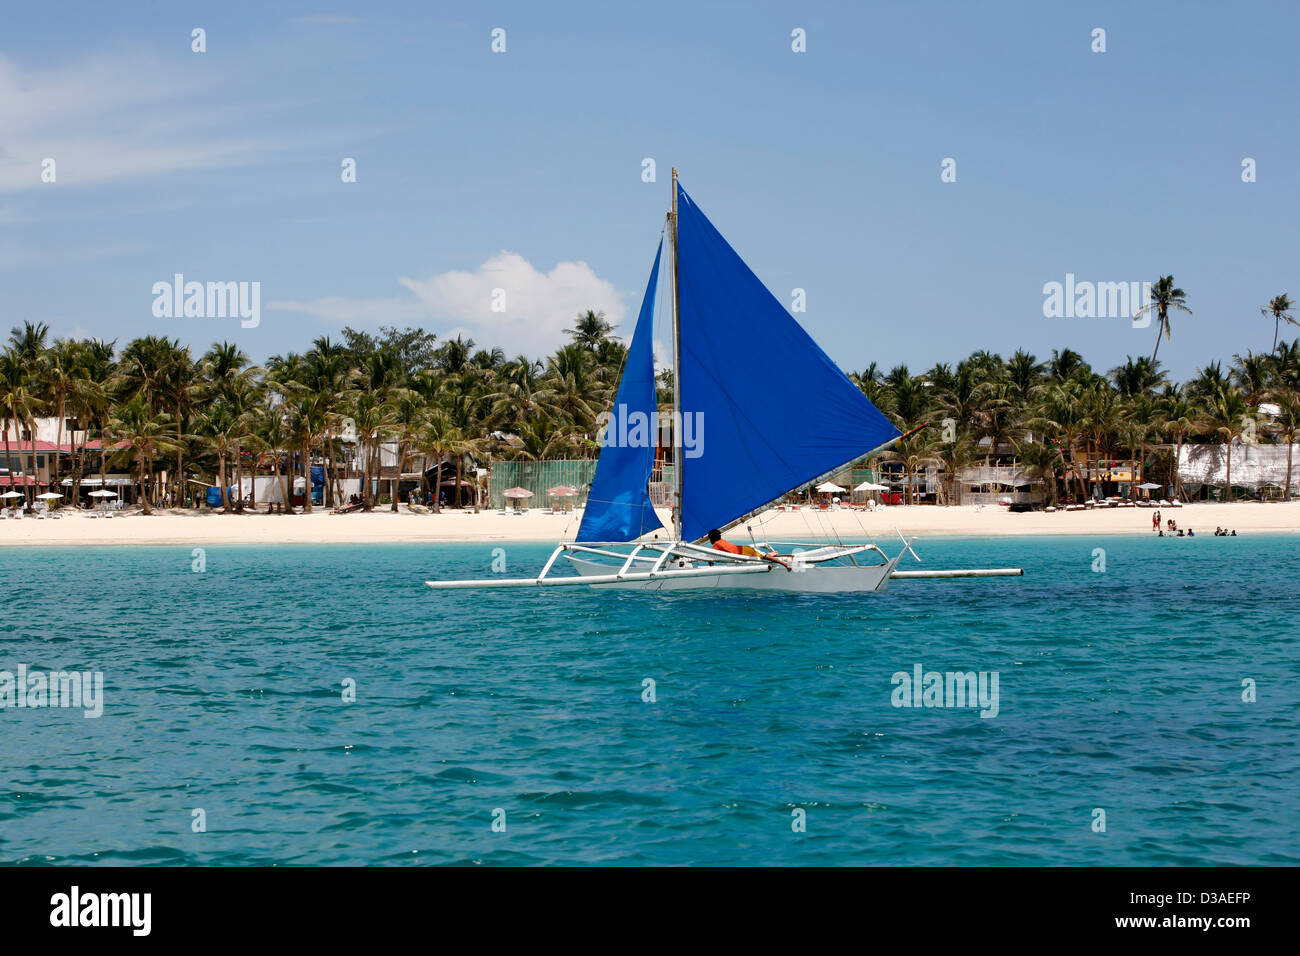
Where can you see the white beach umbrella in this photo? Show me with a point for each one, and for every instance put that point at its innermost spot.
(103, 494)
(830, 486)
(12, 494)
(870, 486)
(1148, 486)
(48, 496)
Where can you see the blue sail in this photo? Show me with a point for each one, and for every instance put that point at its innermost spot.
(618, 506)
(764, 407)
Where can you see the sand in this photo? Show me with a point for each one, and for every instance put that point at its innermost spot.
(321, 527)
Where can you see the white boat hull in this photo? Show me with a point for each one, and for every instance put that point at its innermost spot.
(812, 580)
(682, 566)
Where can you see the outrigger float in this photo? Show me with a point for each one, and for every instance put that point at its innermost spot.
(771, 413)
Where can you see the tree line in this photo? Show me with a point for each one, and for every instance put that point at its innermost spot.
(158, 408)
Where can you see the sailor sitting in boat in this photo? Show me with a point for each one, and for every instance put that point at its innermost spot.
(722, 544)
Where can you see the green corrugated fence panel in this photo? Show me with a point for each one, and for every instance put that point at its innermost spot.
(537, 476)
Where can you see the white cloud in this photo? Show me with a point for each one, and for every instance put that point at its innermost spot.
(539, 306)
(108, 119)
(663, 353)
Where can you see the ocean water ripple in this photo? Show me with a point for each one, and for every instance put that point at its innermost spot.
(772, 737)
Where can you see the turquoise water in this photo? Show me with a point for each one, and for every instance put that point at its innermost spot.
(1119, 690)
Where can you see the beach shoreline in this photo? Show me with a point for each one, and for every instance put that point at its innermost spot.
(169, 527)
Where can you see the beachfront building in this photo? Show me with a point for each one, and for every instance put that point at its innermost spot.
(42, 460)
(32, 457)
(1000, 483)
(1258, 471)
(1107, 477)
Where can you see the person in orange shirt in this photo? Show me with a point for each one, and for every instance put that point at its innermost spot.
(722, 544)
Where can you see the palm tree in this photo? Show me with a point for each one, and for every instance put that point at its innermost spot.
(1285, 372)
(959, 393)
(1140, 377)
(1164, 296)
(227, 373)
(273, 436)
(1042, 461)
(407, 419)
(592, 330)
(221, 426)
(913, 452)
(1178, 419)
(1279, 307)
(91, 402)
(1060, 414)
(911, 400)
(145, 434)
(17, 401)
(373, 418)
(326, 371)
(1024, 373)
(1226, 412)
(466, 446)
(1067, 364)
(1139, 421)
(63, 370)
(307, 423)
(870, 382)
(1208, 381)
(28, 343)
(994, 416)
(1287, 424)
(452, 356)
(1101, 418)
(435, 440)
(179, 390)
(144, 367)
(569, 388)
(954, 456)
(245, 396)
(1251, 374)
(543, 438)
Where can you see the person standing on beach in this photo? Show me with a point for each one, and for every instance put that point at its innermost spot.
(1155, 521)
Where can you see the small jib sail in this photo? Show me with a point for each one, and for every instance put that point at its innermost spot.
(618, 506)
(771, 410)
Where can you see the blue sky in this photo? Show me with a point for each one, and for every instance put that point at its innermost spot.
(522, 170)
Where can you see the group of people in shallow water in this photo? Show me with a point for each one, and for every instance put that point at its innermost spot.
(1175, 531)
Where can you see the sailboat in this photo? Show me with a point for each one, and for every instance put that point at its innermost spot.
(770, 412)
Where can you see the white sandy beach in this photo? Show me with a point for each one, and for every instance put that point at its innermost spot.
(322, 527)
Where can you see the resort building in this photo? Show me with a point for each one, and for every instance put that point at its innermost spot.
(1258, 471)
(34, 459)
